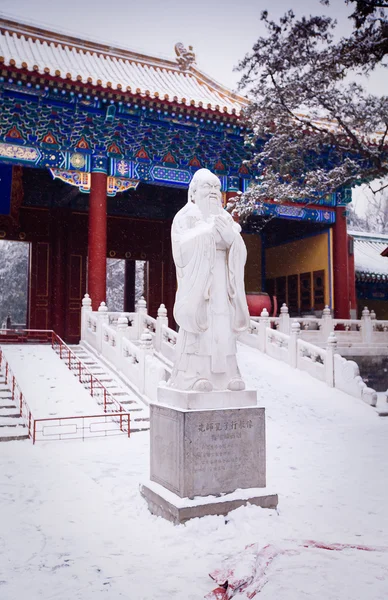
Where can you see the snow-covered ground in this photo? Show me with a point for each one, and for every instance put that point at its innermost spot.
(49, 388)
(74, 526)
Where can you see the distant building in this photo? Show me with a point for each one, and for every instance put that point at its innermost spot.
(371, 272)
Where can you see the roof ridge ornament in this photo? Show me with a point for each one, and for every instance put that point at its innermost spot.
(185, 58)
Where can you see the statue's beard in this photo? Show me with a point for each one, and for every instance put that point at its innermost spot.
(214, 206)
(210, 206)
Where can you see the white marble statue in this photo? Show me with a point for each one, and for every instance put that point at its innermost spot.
(210, 304)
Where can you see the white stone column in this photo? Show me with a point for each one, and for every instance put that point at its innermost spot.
(141, 311)
(293, 344)
(147, 350)
(161, 320)
(366, 326)
(331, 349)
(284, 319)
(85, 312)
(102, 318)
(263, 324)
(327, 323)
(122, 328)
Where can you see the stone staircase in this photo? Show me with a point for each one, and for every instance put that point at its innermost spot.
(12, 426)
(130, 403)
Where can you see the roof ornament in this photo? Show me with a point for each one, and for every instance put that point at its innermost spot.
(185, 58)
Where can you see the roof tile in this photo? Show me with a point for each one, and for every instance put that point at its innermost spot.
(79, 60)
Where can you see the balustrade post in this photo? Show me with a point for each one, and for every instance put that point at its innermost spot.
(102, 318)
(85, 310)
(146, 348)
(366, 326)
(293, 344)
(122, 327)
(262, 333)
(327, 323)
(284, 319)
(161, 320)
(331, 349)
(141, 311)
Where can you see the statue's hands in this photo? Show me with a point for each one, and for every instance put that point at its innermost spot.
(225, 229)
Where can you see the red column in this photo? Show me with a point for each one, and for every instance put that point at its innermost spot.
(352, 279)
(97, 239)
(59, 245)
(340, 265)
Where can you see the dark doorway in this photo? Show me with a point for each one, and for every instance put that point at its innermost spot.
(14, 278)
(126, 283)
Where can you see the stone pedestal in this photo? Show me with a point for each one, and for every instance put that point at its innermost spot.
(163, 503)
(190, 400)
(206, 461)
(203, 452)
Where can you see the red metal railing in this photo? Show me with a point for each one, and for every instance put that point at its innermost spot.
(85, 376)
(81, 427)
(17, 395)
(119, 416)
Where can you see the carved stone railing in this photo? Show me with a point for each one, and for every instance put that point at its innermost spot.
(349, 332)
(321, 363)
(168, 342)
(312, 359)
(276, 344)
(142, 348)
(128, 342)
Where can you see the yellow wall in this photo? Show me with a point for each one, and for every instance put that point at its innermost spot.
(301, 256)
(253, 271)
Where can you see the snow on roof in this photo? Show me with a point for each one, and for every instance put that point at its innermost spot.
(367, 254)
(80, 60)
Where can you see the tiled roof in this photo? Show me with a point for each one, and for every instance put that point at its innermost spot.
(82, 61)
(368, 247)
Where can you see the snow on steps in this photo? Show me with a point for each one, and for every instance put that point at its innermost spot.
(12, 426)
(130, 403)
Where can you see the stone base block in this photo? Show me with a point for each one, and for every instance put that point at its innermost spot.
(207, 452)
(163, 503)
(189, 400)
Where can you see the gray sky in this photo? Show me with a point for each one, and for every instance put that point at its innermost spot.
(221, 31)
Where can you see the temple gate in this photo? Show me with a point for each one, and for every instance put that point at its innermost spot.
(97, 148)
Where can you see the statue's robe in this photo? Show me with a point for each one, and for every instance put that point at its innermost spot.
(210, 305)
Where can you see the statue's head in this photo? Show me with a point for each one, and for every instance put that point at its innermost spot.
(205, 192)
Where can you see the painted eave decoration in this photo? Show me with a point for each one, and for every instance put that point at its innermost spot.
(71, 59)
